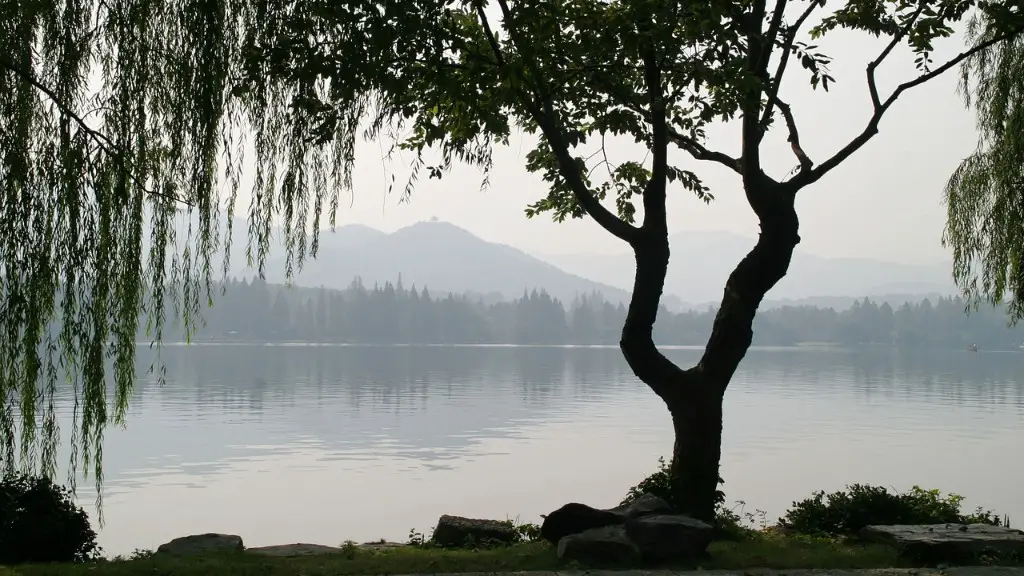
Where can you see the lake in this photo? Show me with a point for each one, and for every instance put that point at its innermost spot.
(321, 444)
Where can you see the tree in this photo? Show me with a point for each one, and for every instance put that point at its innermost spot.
(114, 113)
(119, 110)
(985, 195)
(461, 78)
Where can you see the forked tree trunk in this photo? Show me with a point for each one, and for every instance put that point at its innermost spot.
(694, 396)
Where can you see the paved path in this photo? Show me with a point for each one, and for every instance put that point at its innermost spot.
(956, 571)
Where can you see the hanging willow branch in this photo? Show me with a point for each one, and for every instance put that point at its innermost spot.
(114, 118)
(985, 196)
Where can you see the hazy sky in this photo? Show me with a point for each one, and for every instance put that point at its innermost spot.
(884, 202)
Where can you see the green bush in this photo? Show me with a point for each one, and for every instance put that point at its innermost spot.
(860, 505)
(39, 522)
(727, 520)
(659, 484)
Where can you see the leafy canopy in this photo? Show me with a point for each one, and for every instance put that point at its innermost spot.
(124, 120)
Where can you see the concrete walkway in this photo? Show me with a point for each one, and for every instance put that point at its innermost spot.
(955, 571)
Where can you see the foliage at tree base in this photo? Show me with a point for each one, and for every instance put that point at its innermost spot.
(728, 521)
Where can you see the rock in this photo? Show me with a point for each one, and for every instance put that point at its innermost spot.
(454, 531)
(946, 542)
(575, 518)
(300, 549)
(645, 505)
(603, 546)
(665, 537)
(380, 545)
(202, 544)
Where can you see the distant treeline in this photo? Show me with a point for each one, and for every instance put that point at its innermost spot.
(394, 314)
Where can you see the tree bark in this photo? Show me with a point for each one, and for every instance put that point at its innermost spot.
(694, 472)
(761, 269)
(694, 396)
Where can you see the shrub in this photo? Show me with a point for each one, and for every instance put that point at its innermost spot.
(659, 484)
(860, 505)
(727, 520)
(525, 532)
(39, 522)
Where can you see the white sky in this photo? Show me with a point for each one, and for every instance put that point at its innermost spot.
(885, 202)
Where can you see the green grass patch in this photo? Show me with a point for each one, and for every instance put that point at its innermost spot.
(765, 551)
(791, 552)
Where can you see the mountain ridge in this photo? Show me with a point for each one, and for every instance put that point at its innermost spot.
(438, 255)
(701, 262)
(448, 258)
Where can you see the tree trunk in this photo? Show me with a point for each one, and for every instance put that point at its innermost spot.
(694, 396)
(694, 473)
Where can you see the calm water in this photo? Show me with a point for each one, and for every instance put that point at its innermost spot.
(320, 444)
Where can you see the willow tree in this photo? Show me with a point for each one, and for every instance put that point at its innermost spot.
(985, 195)
(115, 111)
(120, 147)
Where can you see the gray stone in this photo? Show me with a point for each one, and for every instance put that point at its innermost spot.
(202, 544)
(574, 517)
(300, 549)
(946, 542)
(457, 531)
(380, 546)
(645, 505)
(665, 537)
(604, 546)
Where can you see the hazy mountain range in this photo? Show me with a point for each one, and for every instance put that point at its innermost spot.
(702, 261)
(446, 258)
(440, 256)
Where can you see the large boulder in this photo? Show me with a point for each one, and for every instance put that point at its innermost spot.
(456, 531)
(198, 544)
(935, 543)
(606, 546)
(665, 537)
(574, 518)
(654, 533)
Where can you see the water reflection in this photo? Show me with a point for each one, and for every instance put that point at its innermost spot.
(284, 441)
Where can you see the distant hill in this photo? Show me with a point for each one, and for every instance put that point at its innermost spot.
(701, 263)
(439, 255)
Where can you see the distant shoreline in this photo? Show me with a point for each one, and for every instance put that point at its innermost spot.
(833, 346)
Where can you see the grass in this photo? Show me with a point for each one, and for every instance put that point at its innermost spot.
(762, 551)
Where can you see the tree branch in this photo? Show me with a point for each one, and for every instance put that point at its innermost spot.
(651, 250)
(546, 118)
(699, 152)
(101, 139)
(896, 39)
(773, 31)
(794, 134)
(787, 49)
(655, 217)
(750, 101)
(809, 177)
